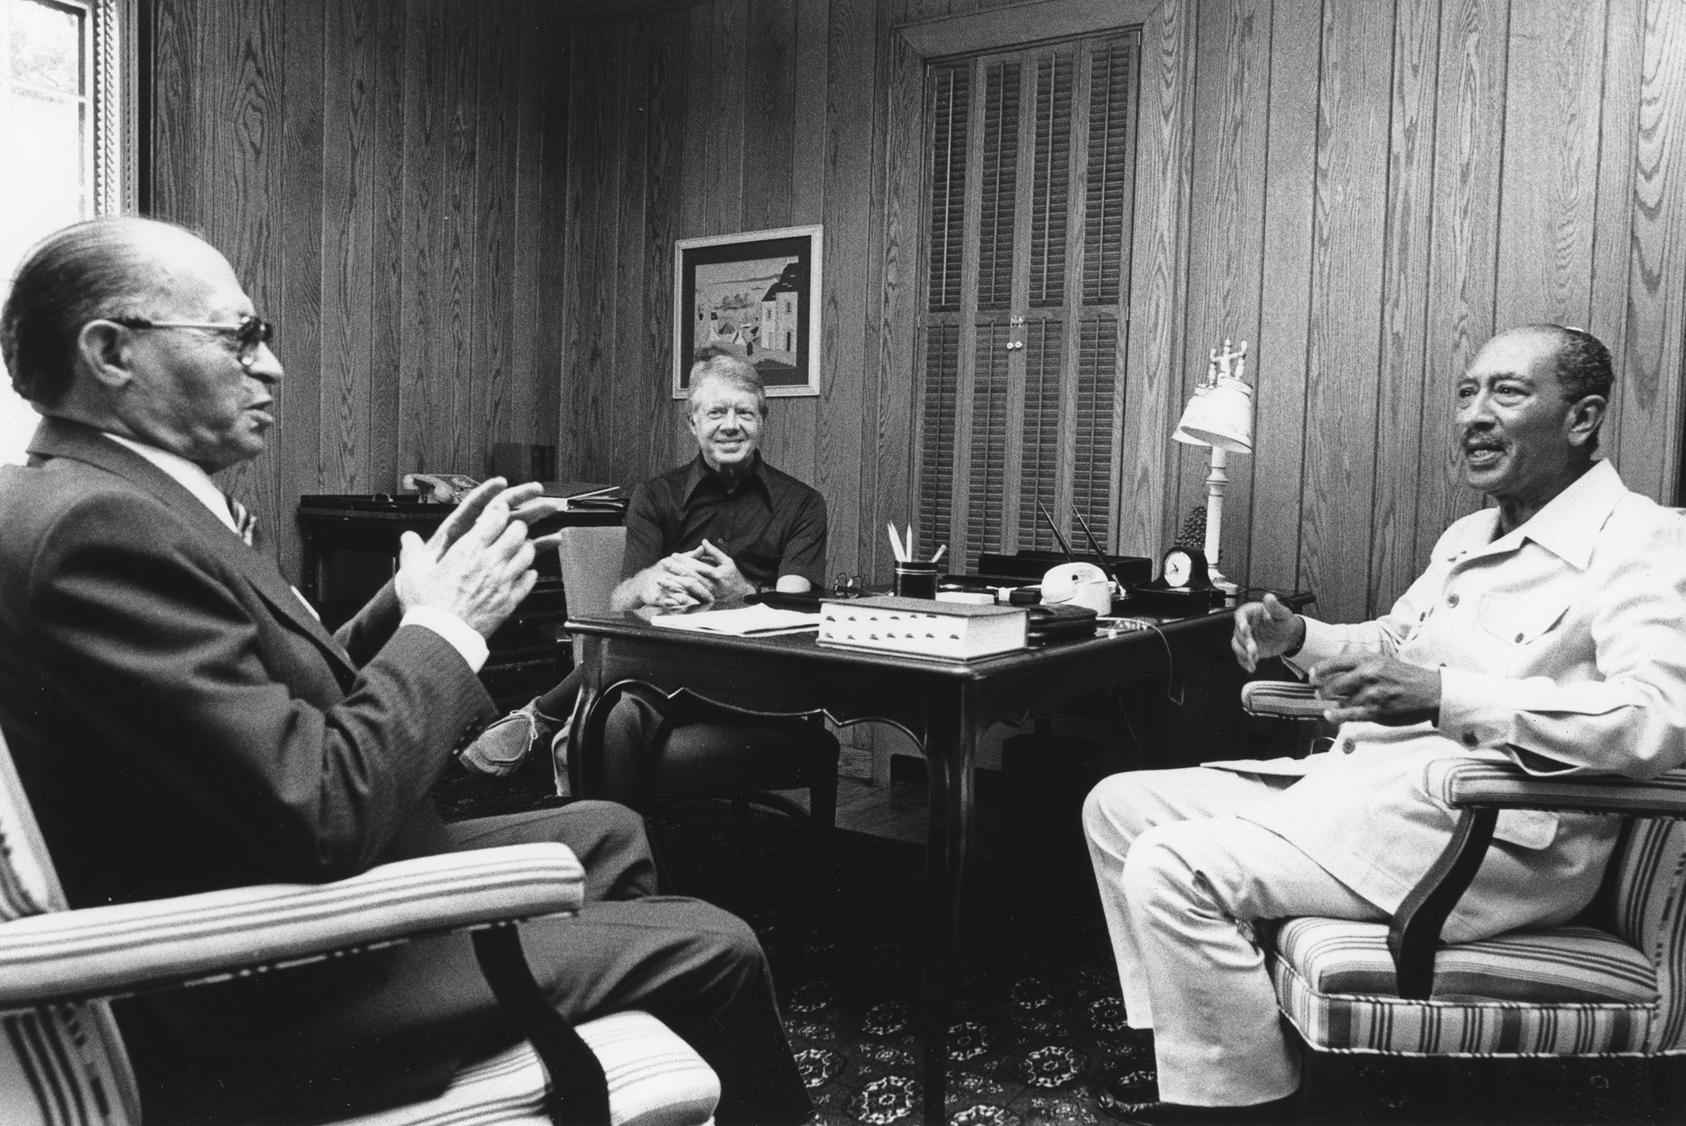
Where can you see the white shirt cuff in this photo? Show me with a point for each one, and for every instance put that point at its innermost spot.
(1321, 640)
(461, 636)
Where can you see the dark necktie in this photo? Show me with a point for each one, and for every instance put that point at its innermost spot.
(244, 522)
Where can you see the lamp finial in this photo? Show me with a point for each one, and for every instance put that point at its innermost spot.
(1231, 359)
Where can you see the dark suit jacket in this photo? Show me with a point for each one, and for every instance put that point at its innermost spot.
(180, 719)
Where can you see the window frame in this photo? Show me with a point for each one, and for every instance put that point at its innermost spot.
(112, 147)
(111, 150)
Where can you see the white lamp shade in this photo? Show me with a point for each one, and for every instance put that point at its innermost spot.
(1220, 416)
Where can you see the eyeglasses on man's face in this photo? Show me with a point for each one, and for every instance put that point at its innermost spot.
(248, 334)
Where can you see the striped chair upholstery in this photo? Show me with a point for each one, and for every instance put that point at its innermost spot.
(654, 1078)
(59, 1064)
(62, 1061)
(1611, 984)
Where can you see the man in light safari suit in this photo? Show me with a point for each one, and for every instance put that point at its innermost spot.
(1547, 630)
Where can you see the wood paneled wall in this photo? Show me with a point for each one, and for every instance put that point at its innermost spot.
(710, 119)
(387, 177)
(1379, 187)
(461, 215)
(1363, 192)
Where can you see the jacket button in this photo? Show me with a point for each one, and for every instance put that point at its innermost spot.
(1519, 639)
(1451, 600)
(1469, 739)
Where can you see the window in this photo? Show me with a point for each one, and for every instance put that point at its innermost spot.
(1020, 346)
(62, 128)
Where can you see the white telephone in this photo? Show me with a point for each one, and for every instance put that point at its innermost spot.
(1081, 584)
(441, 488)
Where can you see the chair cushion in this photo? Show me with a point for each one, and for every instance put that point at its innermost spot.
(1649, 909)
(654, 1077)
(65, 1064)
(1562, 990)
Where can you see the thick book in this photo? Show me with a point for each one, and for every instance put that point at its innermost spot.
(919, 626)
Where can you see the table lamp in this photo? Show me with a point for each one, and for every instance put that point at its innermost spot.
(1220, 415)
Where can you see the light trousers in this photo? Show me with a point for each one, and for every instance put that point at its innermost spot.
(1181, 880)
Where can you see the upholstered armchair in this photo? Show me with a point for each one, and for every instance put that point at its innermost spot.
(63, 1063)
(1610, 983)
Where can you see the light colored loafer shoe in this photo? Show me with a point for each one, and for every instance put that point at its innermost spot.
(504, 746)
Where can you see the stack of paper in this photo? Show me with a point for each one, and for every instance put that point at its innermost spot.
(740, 621)
(954, 630)
(581, 496)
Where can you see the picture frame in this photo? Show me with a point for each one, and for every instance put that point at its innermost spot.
(755, 293)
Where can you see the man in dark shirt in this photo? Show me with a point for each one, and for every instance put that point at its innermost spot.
(723, 525)
(726, 524)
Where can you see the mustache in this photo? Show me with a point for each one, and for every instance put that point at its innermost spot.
(1483, 434)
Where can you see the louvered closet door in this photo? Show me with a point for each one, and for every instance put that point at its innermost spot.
(1020, 348)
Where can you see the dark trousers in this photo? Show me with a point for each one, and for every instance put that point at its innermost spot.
(393, 1025)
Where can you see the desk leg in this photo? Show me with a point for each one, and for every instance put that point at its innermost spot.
(950, 748)
(585, 727)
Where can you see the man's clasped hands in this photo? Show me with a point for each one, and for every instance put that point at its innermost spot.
(697, 577)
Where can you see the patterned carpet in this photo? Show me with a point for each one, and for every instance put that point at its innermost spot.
(1037, 1024)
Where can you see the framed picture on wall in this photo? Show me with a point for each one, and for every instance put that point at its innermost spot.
(755, 294)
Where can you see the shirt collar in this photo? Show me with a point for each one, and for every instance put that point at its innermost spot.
(186, 474)
(1566, 524)
(700, 472)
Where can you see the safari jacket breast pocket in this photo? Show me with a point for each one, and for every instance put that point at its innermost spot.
(1526, 828)
(1519, 618)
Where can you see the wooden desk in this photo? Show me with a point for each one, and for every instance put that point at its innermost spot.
(944, 706)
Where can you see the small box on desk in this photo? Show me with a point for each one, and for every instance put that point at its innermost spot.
(922, 627)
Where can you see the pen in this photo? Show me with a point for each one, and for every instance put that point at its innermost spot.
(939, 553)
(895, 543)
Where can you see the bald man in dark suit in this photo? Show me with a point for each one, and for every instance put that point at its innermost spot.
(182, 722)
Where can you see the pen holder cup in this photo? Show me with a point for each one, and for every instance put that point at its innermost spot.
(916, 580)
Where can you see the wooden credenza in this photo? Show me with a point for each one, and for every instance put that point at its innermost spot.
(351, 548)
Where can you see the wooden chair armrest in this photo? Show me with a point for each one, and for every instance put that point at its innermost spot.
(103, 952)
(1414, 933)
(1481, 789)
(1502, 785)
